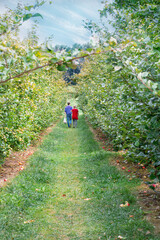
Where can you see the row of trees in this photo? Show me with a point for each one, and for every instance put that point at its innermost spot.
(27, 106)
(28, 102)
(119, 90)
(119, 86)
(31, 79)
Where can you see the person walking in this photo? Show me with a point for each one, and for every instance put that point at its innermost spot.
(68, 111)
(75, 116)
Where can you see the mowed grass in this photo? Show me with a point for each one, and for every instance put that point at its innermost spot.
(69, 191)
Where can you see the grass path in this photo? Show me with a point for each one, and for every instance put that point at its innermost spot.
(69, 191)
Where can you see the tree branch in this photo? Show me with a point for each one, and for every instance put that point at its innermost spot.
(25, 72)
(75, 58)
(48, 64)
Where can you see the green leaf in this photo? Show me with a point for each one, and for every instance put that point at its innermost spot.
(37, 15)
(136, 143)
(61, 68)
(82, 54)
(89, 49)
(152, 176)
(53, 60)
(27, 16)
(28, 8)
(17, 18)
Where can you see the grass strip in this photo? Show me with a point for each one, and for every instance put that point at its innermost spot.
(69, 191)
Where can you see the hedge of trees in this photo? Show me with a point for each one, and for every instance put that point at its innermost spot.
(27, 106)
(119, 90)
(29, 100)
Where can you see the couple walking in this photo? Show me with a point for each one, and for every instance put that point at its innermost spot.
(71, 113)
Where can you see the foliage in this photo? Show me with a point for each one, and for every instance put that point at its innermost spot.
(31, 103)
(72, 48)
(27, 106)
(121, 87)
(18, 59)
(11, 20)
(119, 91)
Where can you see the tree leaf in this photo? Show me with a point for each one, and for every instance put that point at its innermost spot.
(53, 60)
(61, 68)
(27, 16)
(37, 15)
(28, 8)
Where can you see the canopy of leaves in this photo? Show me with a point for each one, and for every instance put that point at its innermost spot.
(120, 90)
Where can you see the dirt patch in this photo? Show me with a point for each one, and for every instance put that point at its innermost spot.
(17, 161)
(148, 199)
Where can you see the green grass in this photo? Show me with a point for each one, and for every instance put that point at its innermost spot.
(69, 191)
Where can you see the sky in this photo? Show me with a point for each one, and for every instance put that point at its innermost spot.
(63, 19)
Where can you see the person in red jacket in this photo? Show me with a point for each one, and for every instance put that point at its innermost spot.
(75, 116)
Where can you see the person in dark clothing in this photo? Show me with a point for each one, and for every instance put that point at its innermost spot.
(68, 111)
